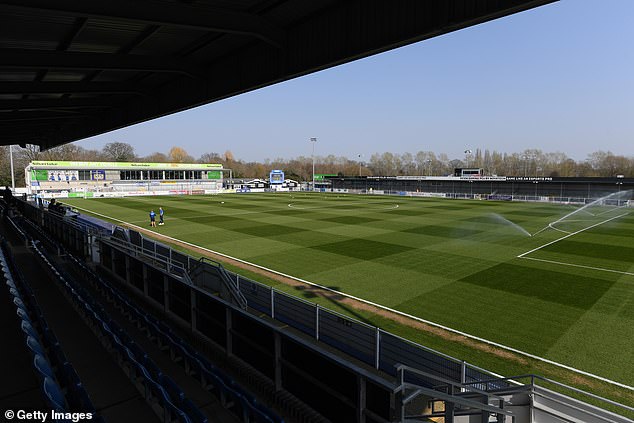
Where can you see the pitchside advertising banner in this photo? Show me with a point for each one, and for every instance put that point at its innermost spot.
(124, 165)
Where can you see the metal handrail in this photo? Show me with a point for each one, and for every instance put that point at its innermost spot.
(137, 250)
(404, 368)
(534, 377)
(449, 396)
(227, 279)
(88, 229)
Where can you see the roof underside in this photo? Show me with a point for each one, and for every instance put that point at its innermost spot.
(71, 69)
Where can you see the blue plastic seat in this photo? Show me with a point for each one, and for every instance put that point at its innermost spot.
(222, 375)
(203, 361)
(144, 372)
(264, 414)
(19, 303)
(152, 368)
(166, 329)
(164, 341)
(258, 416)
(22, 313)
(41, 365)
(241, 391)
(34, 345)
(80, 400)
(192, 365)
(151, 329)
(10, 282)
(241, 405)
(119, 348)
(121, 334)
(49, 338)
(70, 374)
(138, 352)
(15, 292)
(28, 328)
(68, 380)
(212, 382)
(178, 353)
(150, 318)
(36, 313)
(57, 356)
(174, 391)
(54, 395)
(193, 412)
(132, 364)
(171, 409)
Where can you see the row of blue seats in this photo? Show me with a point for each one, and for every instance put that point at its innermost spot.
(159, 390)
(230, 393)
(61, 386)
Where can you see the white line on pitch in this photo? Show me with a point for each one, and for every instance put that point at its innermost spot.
(579, 265)
(571, 234)
(466, 335)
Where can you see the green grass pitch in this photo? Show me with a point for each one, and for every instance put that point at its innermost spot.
(449, 261)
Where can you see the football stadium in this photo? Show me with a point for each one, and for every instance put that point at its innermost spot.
(464, 297)
(422, 255)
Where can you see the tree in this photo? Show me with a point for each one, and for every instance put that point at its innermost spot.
(92, 156)
(64, 152)
(5, 168)
(119, 152)
(179, 155)
(210, 158)
(427, 163)
(156, 158)
(30, 153)
(408, 166)
(455, 164)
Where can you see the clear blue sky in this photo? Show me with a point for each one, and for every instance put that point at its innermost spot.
(558, 78)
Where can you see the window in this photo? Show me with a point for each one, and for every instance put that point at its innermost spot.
(154, 174)
(130, 175)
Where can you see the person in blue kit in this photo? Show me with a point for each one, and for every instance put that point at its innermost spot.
(161, 213)
(152, 219)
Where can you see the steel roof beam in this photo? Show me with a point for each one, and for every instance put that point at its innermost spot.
(178, 15)
(70, 88)
(44, 59)
(37, 116)
(55, 103)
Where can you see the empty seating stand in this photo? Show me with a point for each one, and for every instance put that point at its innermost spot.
(139, 368)
(61, 388)
(231, 394)
(158, 390)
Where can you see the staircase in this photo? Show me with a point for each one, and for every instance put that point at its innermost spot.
(427, 397)
(211, 276)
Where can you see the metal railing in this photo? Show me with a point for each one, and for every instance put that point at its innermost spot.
(458, 398)
(367, 343)
(226, 278)
(161, 261)
(534, 380)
